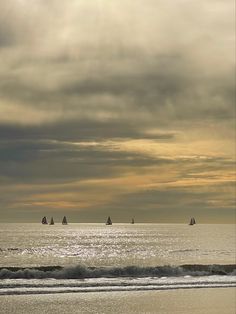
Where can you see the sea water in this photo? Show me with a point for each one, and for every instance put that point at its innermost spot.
(37, 258)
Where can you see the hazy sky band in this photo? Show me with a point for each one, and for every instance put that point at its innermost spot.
(120, 108)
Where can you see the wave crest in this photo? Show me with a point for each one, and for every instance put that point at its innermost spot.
(80, 272)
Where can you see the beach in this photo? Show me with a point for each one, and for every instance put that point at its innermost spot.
(194, 301)
(123, 268)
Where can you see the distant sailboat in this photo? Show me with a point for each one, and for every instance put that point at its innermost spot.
(52, 221)
(64, 220)
(132, 221)
(109, 222)
(44, 220)
(192, 221)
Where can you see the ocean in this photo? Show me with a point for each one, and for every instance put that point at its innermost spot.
(44, 259)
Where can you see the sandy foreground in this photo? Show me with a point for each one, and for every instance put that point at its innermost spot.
(194, 301)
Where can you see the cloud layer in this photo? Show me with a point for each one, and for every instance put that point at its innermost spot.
(117, 108)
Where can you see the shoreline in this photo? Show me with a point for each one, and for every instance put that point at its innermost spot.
(194, 301)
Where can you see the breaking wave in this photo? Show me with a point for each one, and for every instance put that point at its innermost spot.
(81, 272)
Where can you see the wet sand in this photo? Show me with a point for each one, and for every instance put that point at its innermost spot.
(194, 301)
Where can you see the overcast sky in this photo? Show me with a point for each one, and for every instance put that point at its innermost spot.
(122, 108)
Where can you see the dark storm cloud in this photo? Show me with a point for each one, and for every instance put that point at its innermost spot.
(45, 160)
(27, 161)
(167, 89)
(60, 161)
(81, 130)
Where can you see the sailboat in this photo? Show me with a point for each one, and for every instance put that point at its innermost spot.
(44, 220)
(64, 220)
(132, 221)
(109, 222)
(192, 221)
(52, 221)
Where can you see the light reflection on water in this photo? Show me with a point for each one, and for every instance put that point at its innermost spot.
(116, 245)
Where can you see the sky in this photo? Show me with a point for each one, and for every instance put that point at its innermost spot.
(123, 108)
